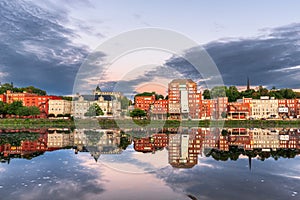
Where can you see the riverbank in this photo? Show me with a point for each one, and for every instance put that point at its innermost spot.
(36, 123)
(126, 123)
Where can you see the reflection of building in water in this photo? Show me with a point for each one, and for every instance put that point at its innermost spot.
(210, 138)
(150, 144)
(265, 139)
(184, 149)
(22, 145)
(97, 142)
(240, 138)
(59, 139)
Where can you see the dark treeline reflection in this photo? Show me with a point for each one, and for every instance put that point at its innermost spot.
(183, 145)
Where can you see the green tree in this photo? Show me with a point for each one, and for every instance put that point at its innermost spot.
(23, 111)
(218, 91)
(263, 91)
(247, 93)
(287, 93)
(206, 94)
(3, 109)
(137, 113)
(232, 93)
(4, 87)
(12, 109)
(32, 89)
(33, 110)
(94, 110)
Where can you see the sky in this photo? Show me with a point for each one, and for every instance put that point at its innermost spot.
(45, 43)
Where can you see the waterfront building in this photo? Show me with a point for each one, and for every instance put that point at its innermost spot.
(184, 101)
(144, 102)
(30, 99)
(265, 107)
(59, 107)
(159, 109)
(238, 110)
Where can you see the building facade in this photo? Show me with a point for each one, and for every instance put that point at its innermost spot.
(183, 95)
(59, 107)
(265, 107)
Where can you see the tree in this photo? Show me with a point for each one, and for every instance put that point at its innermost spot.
(287, 93)
(263, 91)
(124, 102)
(137, 113)
(22, 111)
(206, 94)
(247, 93)
(158, 96)
(232, 93)
(33, 110)
(218, 91)
(3, 108)
(12, 108)
(94, 110)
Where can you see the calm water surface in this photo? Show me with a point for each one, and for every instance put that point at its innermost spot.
(150, 164)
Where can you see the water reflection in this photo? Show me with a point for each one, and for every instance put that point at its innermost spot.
(189, 161)
(183, 145)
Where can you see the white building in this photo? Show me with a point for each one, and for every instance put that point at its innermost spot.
(59, 106)
(264, 108)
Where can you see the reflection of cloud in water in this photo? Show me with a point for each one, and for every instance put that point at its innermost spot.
(135, 162)
(120, 185)
(232, 179)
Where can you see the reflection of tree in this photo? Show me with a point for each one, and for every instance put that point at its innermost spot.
(234, 153)
(15, 139)
(125, 141)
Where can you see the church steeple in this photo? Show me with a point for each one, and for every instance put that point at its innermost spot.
(98, 89)
(248, 83)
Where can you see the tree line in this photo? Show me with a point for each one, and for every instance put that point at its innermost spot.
(17, 108)
(233, 94)
(30, 89)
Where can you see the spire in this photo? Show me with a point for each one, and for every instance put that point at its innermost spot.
(248, 83)
(98, 89)
(250, 162)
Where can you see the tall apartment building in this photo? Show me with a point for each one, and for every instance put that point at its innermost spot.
(184, 101)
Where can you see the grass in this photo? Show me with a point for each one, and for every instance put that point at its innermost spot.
(127, 123)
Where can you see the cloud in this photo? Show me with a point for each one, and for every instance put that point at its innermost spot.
(270, 59)
(35, 49)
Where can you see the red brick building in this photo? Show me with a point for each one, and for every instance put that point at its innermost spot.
(144, 102)
(29, 99)
(206, 108)
(238, 110)
(143, 145)
(159, 109)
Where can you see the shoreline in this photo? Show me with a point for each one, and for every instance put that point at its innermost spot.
(126, 123)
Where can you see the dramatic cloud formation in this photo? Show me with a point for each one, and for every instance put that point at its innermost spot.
(40, 46)
(35, 49)
(270, 59)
